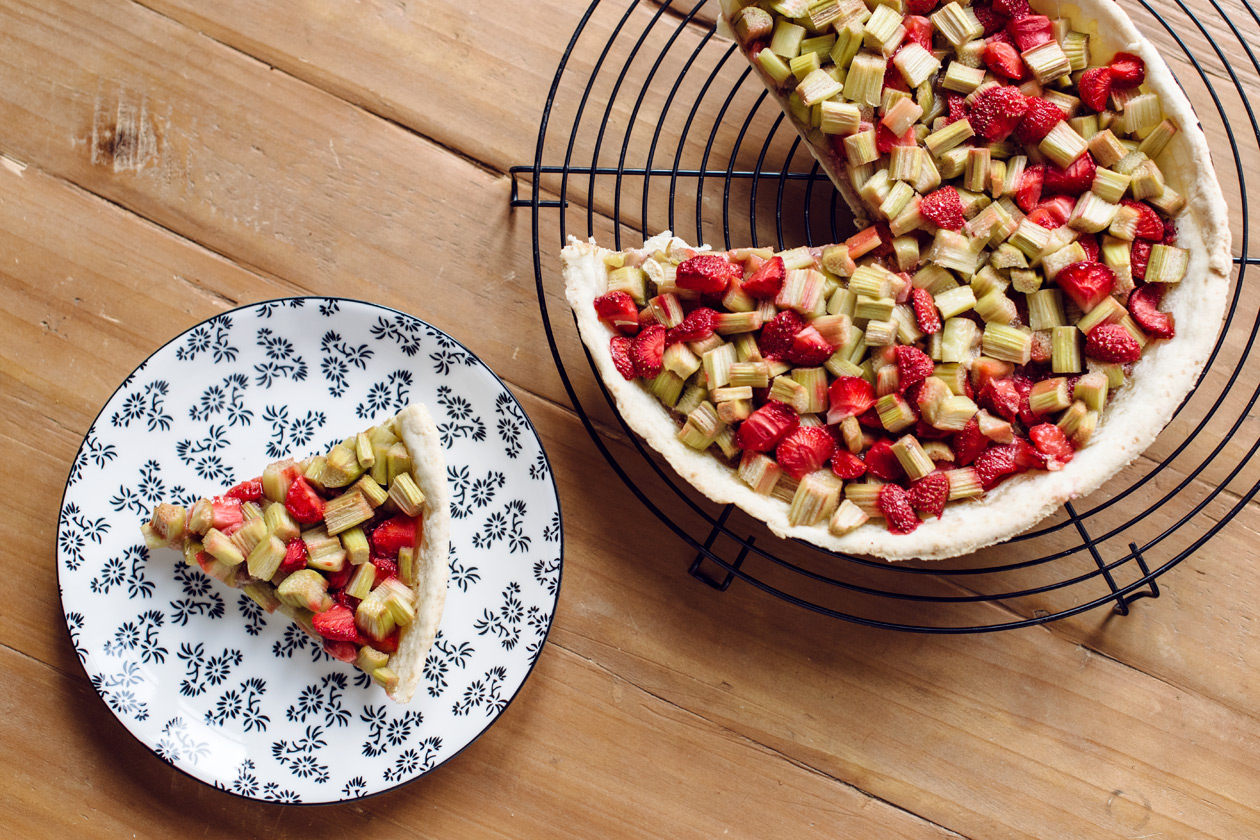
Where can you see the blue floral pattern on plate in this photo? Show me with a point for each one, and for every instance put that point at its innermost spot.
(243, 700)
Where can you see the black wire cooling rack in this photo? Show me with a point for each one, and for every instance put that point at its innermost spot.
(654, 121)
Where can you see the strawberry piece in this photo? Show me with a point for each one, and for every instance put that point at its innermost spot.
(1052, 213)
(925, 313)
(303, 503)
(1139, 256)
(985, 368)
(849, 396)
(1087, 283)
(925, 431)
(294, 556)
(1112, 343)
(1095, 87)
(943, 208)
(930, 493)
(696, 326)
(707, 273)
(996, 111)
(918, 29)
(1013, 9)
(246, 491)
(969, 443)
(618, 311)
(957, 105)
(921, 7)
(885, 139)
(846, 465)
(882, 462)
(870, 420)
(1149, 226)
(913, 365)
(619, 349)
(1144, 307)
(1028, 194)
(778, 334)
(1089, 244)
(389, 644)
(1170, 232)
(337, 624)
(766, 281)
(894, 504)
(1051, 442)
(1127, 70)
(1037, 122)
(766, 426)
(1077, 178)
(1023, 387)
(805, 450)
(884, 247)
(386, 567)
(1003, 59)
(226, 514)
(989, 18)
(393, 534)
(994, 464)
(1002, 398)
(343, 651)
(337, 580)
(1027, 456)
(809, 348)
(347, 601)
(1031, 31)
(647, 351)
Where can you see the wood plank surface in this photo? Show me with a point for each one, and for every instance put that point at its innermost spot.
(162, 161)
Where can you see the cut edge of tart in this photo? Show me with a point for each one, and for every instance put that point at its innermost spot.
(331, 542)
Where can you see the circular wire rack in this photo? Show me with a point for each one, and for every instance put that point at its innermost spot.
(654, 121)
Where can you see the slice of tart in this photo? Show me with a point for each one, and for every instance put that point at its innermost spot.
(1044, 280)
(352, 544)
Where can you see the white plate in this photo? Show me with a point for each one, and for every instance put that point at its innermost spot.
(241, 699)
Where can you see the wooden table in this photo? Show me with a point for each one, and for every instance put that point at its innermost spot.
(165, 160)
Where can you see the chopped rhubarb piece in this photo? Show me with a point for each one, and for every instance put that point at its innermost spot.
(647, 350)
(994, 464)
(1144, 307)
(778, 334)
(996, 112)
(246, 491)
(1051, 442)
(849, 396)
(925, 313)
(969, 443)
(697, 326)
(707, 273)
(618, 311)
(846, 465)
(1041, 116)
(1087, 283)
(1112, 343)
(303, 503)
(913, 364)
(1030, 31)
(1028, 194)
(294, 556)
(619, 348)
(809, 348)
(1127, 70)
(894, 504)
(766, 426)
(1003, 60)
(1149, 226)
(393, 534)
(337, 624)
(929, 494)
(766, 281)
(804, 451)
(1077, 178)
(943, 208)
(882, 462)
(1095, 87)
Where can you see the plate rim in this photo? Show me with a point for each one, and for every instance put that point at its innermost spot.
(529, 670)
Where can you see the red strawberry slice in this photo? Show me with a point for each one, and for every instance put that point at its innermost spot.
(338, 579)
(1144, 307)
(885, 139)
(1087, 283)
(766, 281)
(294, 556)
(246, 491)
(1031, 31)
(894, 504)
(1139, 256)
(1095, 87)
(918, 29)
(386, 567)
(995, 464)
(957, 105)
(989, 18)
(921, 7)
(1027, 456)
(925, 312)
(303, 503)
(778, 334)
(1002, 398)
(696, 326)
(930, 493)
(1051, 442)
(1127, 70)
(805, 450)
(969, 443)
(389, 644)
(849, 396)
(618, 311)
(226, 514)
(1028, 194)
(647, 351)
(707, 273)
(1052, 213)
(1077, 178)
(1003, 59)
(913, 365)
(1037, 122)
(809, 348)
(348, 601)
(337, 624)
(619, 349)
(882, 462)
(1149, 226)
(1112, 343)
(846, 465)
(943, 208)
(1089, 244)
(996, 111)
(1170, 232)
(1013, 9)
(393, 534)
(343, 651)
(1023, 387)
(766, 426)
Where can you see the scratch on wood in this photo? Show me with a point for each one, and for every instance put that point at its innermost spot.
(15, 166)
(124, 135)
(333, 149)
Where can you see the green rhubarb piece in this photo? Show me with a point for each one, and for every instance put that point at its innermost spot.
(305, 588)
(403, 492)
(912, 458)
(341, 467)
(1007, 343)
(759, 472)
(894, 412)
(370, 659)
(667, 387)
(1065, 350)
(958, 24)
(191, 549)
(200, 516)
(693, 395)
(787, 390)
(1049, 396)
(324, 552)
(702, 427)
(375, 494)
(1167, 264)
(717, 365)
(168, 524)
(275, 479)
(1045, 309)
(1108, 311)
(865, 497)
(816, 498)
(355, 542)
(964, 483)
(373, 616)
(264, 561)
(349, 509)
(631, 280)
(1091, 389)
(407, 564)
(399, 460)
(847, 517)
(361, 582)
(280, 523)
(959, 339)
(220, 546)
(263, 594)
